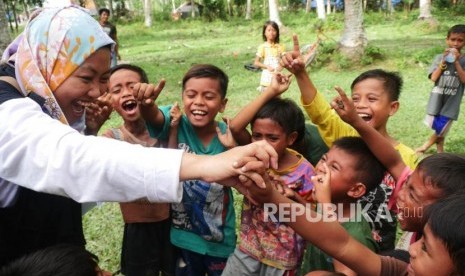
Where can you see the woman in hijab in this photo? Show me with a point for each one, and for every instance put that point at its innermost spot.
(50, 73)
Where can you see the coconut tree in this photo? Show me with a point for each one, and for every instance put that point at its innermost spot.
(5, 37)
(248, 10)
(425, 9)
(148, 13)
(274, 13)
(320, 9)
(353, 40)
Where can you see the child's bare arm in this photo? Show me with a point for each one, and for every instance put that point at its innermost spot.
(175, 117)
(379, 145)
(328, 235)
(294, 62)
(441, 67)
(238, 124)
(146, 94)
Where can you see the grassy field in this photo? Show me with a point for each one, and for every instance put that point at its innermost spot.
(168, 49)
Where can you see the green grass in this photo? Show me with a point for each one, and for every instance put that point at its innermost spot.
(168, 49)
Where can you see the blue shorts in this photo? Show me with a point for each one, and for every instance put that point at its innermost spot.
(440, 124)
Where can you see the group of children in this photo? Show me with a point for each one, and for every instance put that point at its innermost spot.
(363, 165)
(375, 171)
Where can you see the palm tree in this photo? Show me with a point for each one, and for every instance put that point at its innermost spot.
(425, 9)
(148, 13)
(5, 37)
(274, 13)
(353, 40)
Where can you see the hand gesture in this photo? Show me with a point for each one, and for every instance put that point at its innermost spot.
(293, 61)
(97, 113)
(345, 108)
(147, 93)
(249, 161)
(322, 186)
(279, 84)
(226, 139)
(175, 115)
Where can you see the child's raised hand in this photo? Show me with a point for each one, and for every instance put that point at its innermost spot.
(226, 139)
(147, 93)
(322, 186)
(293, 61)
(175, 115)
(279, 83)
(344, 107)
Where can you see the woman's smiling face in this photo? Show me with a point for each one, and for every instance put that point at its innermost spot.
(84, 85)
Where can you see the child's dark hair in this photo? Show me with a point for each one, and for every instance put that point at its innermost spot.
(102, 10)
(286, 113)
(369, 170)
(58, 260)
(207, 71)
(456, 29)
(444, 171)
(275, 26)
(446, 219)
(130, 67)
(392, 81)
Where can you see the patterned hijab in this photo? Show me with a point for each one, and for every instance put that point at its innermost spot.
(54, 44)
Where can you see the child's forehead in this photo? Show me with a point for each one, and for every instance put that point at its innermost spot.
(423, 187)
(341, 155)
(456, 35)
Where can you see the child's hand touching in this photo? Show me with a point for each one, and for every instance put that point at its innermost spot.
(226, 139)
(175, 115)
(97, 113)
(147, 93)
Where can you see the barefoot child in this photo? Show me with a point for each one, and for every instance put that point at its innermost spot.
(448, 74)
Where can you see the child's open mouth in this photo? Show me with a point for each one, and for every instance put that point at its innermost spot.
(365, 117)
(129, 105)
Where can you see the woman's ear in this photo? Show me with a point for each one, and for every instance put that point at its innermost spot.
(356, 191)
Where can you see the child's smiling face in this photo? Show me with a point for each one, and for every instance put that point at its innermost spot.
(429, 256)
(413, 197)
(372, 102)
(202, 101)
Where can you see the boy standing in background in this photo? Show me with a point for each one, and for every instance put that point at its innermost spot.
(448, 75)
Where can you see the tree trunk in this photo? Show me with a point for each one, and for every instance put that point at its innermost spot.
(248, 10)
(389, 8)
(353, 40)
(5, 37)
(110, 7)
(320, 9)
(328, 7)
(148, 13)
(274, 12)
(26, 9)
(193, 9)
(308, 6)
(425, 9)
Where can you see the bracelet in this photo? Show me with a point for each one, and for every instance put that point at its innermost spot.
(443, 66)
